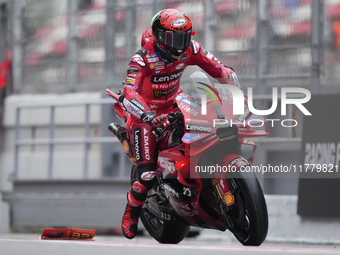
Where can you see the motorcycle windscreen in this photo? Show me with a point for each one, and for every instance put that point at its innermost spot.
(200, 134)
(211, 128)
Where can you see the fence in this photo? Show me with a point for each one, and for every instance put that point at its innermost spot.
(48, 138)
(85, 45)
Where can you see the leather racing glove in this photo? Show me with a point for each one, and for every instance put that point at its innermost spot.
(155, 121)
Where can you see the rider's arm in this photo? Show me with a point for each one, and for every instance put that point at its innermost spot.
(209, 63)
(131, 98)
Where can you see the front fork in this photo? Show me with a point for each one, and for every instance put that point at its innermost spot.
(220, 183)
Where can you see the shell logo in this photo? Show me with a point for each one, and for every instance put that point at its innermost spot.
(126, 146)
(229, 198)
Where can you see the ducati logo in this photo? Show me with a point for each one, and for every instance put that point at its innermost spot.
(157, 93)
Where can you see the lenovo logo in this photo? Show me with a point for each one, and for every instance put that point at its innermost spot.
(198, 128)
(162, 78)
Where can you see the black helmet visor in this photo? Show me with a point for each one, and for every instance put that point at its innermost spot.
(175, 39)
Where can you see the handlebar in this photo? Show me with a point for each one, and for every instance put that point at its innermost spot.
(173, 118)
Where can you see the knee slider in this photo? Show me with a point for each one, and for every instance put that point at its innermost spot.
(147, 174)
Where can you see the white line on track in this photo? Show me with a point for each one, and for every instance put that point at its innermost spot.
(97, 247)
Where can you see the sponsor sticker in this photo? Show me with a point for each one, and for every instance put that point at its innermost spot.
(209, 55)
(159, 67)
(198, 128)
(131, 81)
(133, 69)
(146, 145)
(229, 198)
(132, 108)
(168, 165)
(160, 86)
(132, 75)
(241, 118)
(157, 101)
(127, 85)
(240, 160)
(138, 104)
(187, 108)
(159, 93)
(151, 56)
(162, 78)
(160, 63)
(138, 144)
(188, 102)
(209, 138)
(179, 66)
(152, 60)
(126, 146)
(191, 137)
(179, 22)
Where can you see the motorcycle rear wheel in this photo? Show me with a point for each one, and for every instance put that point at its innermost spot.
(164, 232)
(249, 217)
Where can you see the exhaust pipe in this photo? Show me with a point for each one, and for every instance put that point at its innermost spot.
(113, 128)
(118, 131)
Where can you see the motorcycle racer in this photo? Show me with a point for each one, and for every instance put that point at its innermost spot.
(151, 85)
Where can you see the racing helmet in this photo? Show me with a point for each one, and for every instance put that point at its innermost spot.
(172, 30)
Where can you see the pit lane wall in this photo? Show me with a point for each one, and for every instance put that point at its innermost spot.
(4, 216)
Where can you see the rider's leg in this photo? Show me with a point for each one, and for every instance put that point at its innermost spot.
(145, 148)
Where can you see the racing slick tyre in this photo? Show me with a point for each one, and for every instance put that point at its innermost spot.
(248, 219)
(164, 232)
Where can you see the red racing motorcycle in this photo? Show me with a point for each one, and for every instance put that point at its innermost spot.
(203, 176)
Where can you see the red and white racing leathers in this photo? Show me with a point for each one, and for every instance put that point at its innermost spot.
(152, 83)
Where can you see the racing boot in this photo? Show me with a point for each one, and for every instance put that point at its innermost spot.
(130, 220)
(136, 198)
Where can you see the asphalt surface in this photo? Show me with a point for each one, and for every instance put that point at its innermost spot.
(30, 244)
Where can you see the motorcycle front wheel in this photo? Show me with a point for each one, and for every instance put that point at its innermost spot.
(248, 218)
